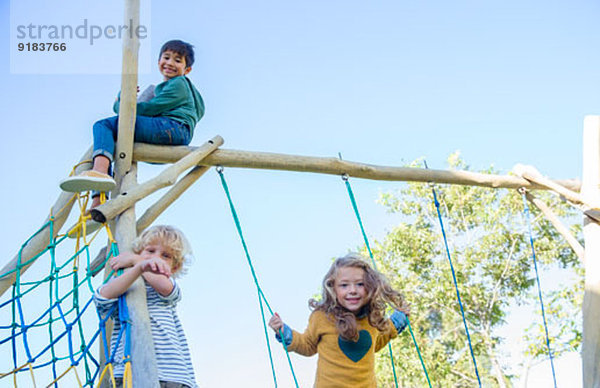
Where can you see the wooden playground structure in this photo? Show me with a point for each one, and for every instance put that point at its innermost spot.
(195, 161)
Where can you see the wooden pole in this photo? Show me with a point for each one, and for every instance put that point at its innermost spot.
(144, 370)
(143, 364)
(591, 233)
(335, 166)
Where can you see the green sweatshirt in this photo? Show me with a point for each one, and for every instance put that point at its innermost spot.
(176, 99)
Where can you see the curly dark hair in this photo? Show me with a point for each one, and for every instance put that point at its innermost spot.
(379, 294)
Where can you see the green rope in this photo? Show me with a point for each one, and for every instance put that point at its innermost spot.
(262, 313)
(21, 325)
(261, 295)
(345, 178)
(50, 304)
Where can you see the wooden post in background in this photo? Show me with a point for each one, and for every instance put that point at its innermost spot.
(143, 360)
(591, 233)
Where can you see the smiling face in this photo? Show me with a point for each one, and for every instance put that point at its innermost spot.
(350, 288)
(163, 253)
(171, 65)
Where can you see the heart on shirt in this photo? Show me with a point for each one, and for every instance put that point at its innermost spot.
(355, 351)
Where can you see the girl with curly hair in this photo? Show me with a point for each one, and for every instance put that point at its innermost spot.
(348, 324)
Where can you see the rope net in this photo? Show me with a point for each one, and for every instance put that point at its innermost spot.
(50, 331)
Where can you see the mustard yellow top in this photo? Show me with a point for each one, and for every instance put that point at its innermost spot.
(341, 363)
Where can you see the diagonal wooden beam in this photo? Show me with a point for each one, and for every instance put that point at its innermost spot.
(60, 211)
(154, 211)
(167, 177)
(533, 175)
(554, 220)
(170, 196)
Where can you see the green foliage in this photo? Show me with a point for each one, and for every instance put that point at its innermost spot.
(491, 254)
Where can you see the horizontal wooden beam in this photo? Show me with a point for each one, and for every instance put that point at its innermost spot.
(334, 166)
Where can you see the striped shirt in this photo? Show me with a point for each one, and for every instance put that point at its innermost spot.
(173, 358)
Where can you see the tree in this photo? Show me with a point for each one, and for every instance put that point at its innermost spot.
(490, 249)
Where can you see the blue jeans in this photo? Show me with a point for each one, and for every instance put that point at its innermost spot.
(153, 130)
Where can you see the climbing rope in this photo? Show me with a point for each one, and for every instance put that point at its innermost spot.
(537, 278)
(124, 333)
(261, 296)
(346, 180)
(462, 311)
(61, 325)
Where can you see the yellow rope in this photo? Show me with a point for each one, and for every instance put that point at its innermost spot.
(80, 230)
(127, 377)
(110, 236)
(80, 164)
(62, 209)
(80, 227)
(13, 372)
(63, 374)
(32, 376)
(60, 377)
(77, 377)
(108, 367)
(82, 201)
(81, 233)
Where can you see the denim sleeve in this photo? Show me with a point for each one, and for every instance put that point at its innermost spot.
(287, 335)
(400, 320)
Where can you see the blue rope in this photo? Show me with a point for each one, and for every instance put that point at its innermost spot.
(125, 326)
(54, 312)
(24, 329)
(539, 287)
(69, 334)
(462, 311)
(13, 330)
(261, 295)
(86, 349)
(50, 297)
(364, 234)
(67, 331)
(123, 317)
(102, 325)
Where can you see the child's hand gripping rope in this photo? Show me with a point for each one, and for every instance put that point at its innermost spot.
(276, 323)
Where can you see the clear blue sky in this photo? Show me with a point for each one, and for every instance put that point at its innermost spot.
(504, 82)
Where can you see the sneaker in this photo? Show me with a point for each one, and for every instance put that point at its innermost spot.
(87, 181)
